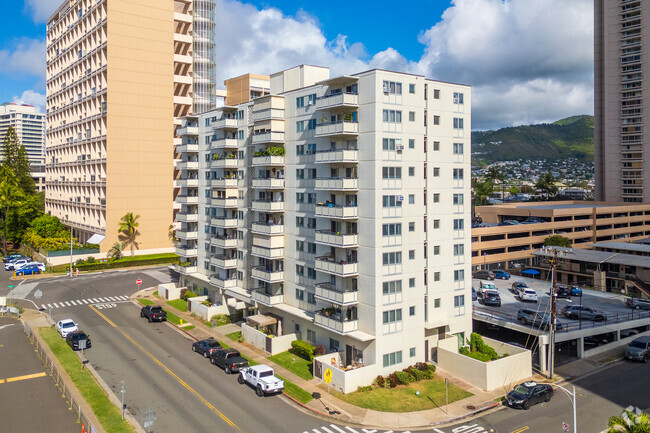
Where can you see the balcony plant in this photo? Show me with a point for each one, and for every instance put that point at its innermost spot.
(276, 151)
(348, 117)
(216, 156)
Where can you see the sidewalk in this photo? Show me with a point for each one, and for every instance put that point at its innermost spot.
(332, 407)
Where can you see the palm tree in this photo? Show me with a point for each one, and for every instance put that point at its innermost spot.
(115, 253)
(494, 173)
(171, 233)
(128, 226)
(481, 192)
(546, 185)
(629, 422)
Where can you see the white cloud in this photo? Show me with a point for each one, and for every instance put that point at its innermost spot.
(41, 10)
(31, 97)
(27, 56)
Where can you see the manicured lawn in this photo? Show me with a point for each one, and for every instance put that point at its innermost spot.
(295, 364)
(145, 301)
(108, 415)
(188, 328)
(179, 304)
(294, 391)
(234, 336)
(155, 293)
(403, 398)
(173, 318)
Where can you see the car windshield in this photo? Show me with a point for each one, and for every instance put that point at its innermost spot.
(637, 345)
(68, 325)
(522, 390)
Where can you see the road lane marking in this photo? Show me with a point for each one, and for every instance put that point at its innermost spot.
(169, 371)
(25, 377)
(521, 429)
(55, 305)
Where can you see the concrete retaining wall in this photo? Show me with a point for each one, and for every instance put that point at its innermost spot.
(203, 311)
(343, 381)
(169, 291)
(272, 345)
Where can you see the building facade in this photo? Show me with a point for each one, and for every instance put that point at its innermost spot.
(621, 34)
(30, 129)
(339, 206)
(119, 77)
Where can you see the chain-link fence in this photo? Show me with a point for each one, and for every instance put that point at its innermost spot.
(66, 392)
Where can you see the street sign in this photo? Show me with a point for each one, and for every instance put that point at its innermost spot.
(38, 294)
(565, 426)
(138, 281)
(327, 377)
(82, 344)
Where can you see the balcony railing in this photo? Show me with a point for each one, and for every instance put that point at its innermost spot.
(224, 242)
(187, 148)
(341, 268)
(225, 124)
(224, 143)
(186, 199)
(187, 165)
(336, 323)
(188, 130)
(224, 182)
(339, 100)
(185, 270)
(267, 114)
(260, 296)
(330, 293)
(267, 253)
(337, 184)
(193, 235)
(184, 183)
(228, 283)
(186, 251)
(224, 262)
(269, 137)
(338, 156)
(267, 206)
(268, 275)
(187, 217)
(343, 240)
(225, 202)
(266, 229)
(269, 183)
(341, 212)
(226, 223)
(337, 128)
(268, 160)
(224, 163)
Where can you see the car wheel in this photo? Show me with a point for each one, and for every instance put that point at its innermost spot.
(522, 321)
(548, 397)
(227, 369)
(141, 314)
(205, 354)
(150, 320)
(212, 361)
(193, 348)
(259, 391)
(240, 379)
(645, 359)
(636, 307)
(526, 405)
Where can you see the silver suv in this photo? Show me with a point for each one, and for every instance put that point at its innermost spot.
(638, 303)
(638, 349)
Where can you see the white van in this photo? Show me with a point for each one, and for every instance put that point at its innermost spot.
(486, 285)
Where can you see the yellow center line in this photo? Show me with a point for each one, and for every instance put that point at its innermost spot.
(25, 377)
(171, 373)
(521, 429)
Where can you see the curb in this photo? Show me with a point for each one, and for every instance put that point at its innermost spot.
(305, 406)
(467, 415)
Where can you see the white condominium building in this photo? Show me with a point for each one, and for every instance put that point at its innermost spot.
(120, 75)
(30, 129)
(338, 206)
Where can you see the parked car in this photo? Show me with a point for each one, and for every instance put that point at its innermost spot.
(12, 257)
(517, 286)
(638, 303)
(502, 275)
(575, 312)
(66, 326)
(16, 264)
(153, 313)
(229, 359)
(533, 220)
(595, 340)
(73, 339)
(28, 270)
(39, 265)
(206, 347)
(474, 296)
(527, 295)
(509, 223)
(576, 291)
(528, 316)
(490, 297)
(529, 393)
(638, 349)
(261, 378)
(483, 275)
(563, 292)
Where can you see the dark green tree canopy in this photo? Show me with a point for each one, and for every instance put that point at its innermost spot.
(14, 156)
(558, 241)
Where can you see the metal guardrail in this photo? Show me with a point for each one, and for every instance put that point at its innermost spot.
(66, 391)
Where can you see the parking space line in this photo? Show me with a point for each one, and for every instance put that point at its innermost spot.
(25, 377)
(170, 372)
(521, 429)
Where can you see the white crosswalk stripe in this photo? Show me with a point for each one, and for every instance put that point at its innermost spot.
(85, 301)
(333, 428)
(79, 302)
(73, 302)
(67, 303)
(55, 305)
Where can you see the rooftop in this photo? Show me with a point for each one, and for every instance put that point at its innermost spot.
(627, 246)
(598, 257)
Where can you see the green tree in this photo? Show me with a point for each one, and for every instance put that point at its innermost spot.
(481, 192)
(14, 156)
(629, 422)
(11, 198)
(49, 226)
(558, 241)
(546, 185)
(128, 229)
(115, 253)
(493, 174)
(513, 190)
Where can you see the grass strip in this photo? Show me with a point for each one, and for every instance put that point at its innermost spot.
(108, 415)
(188, 328)
(295, 391)
(145, 301)
(179, 304)
(173, 318)
(295, 364)
(234, 336)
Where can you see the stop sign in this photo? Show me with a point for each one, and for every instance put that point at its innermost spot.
(138, 281)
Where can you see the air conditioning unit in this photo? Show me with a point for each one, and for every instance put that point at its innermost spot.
(456, 100)
(399, 147)
(310, 102)
(386, 89)
(400, 198)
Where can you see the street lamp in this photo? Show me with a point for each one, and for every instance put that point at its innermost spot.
(572, 397)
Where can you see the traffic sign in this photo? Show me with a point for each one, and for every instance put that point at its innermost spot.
(565, 426)
(327, 377)
(138, 281)
(38, 294)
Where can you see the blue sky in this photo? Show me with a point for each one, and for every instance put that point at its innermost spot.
(527, 61)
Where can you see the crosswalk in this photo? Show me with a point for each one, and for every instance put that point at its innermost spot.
(333, 428)
(85, 301)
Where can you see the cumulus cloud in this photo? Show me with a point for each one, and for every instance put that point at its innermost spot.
(31, 97)
(40, 10)
(27, 56)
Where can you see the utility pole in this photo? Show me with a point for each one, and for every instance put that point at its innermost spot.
(551, 349)
(71, 251)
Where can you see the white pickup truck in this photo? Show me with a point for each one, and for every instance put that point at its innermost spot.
(262, 379)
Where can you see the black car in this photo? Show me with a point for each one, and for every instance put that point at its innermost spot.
(206, 347)
(74, 338)
(529, 393)
(490, 297)
(528, 316)
(483, 275)
(575, 312)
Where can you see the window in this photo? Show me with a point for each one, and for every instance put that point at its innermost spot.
(300, 197)
(436, 120)
(334, 345)
(391, 201)
(459, 249)
(411, 116)
(412, 311)
(459, 275)
(392, 116)
(240, 135)
(459, 301)
(311, 298)
(392, 287)
(311, 148)
(300, 221)
(391, 172)
(436, 197)
(300, 125)
(300, 271)
(458, 174)
(458, 98)
(311, 223)
(412, 352)
(436, 303)
(300, 173)
(392, 316)
(411, 198)
(436, 250)
(300, 294)
(459, 224)
(300, 245)
(392, 229)
(411, 282)
(436, 224)
(300, 102)
(311, 124)
(436, 93)
(311, 198)
(300, 149)
(411, 226)
(311, 336)
(311, 173)
(311, 248)
(411, 143)
(411, 88)
(458, 149)
(392, 358)
(392, 87)
(436, 146)
(393, 258)
(458, 199)
(411, 171)
(411, 254)
(436, 171)
(436, 276)
(311, 273)
(390, 143)
(458, 123)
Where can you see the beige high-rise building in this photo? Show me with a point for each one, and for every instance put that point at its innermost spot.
(120, 74)
(621, 154)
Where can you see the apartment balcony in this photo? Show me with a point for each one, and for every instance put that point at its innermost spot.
(188, 130)
(224, 262)
(262, 297)
(337, 184)
(267, 253)
(182, 100)
(268, 114)
(186, 270)
(224, 163)
(269, 137)
(224, 183)
(268, 275)
(230, 202)
(180, 183)
(224, 143)
(187, 165)
(336, 322)
(228, 283)
(341, 268)
(224, 242)
(225, 223)
(267, 206)
(340, 101)
(329, 292)
(268, 242)
(187, 148)
(349, 240)
(186, 199)
(338, 212)
(342, 129)
(225, 124)
(187, 236)
(268, 161)
(180, 58)
(268, 230)
(187, 251)
(187, 217)
(338, 156)
(268, 183)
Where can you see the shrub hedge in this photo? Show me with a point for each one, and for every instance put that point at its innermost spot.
(303, 349)
(119, 264)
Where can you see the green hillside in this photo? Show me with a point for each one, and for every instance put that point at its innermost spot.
(570, 137)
